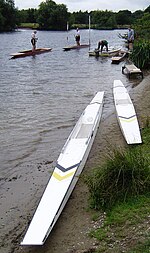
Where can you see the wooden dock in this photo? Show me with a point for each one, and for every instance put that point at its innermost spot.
(120, 57)
(131, 69)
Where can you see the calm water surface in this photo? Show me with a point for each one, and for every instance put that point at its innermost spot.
(42, 97)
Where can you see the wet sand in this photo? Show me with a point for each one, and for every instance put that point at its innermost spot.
(20, 192)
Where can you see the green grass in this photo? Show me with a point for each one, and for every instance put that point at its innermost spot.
(125, 174)
(29, 25)
(123, 222)
(141, 247)
(121, 188)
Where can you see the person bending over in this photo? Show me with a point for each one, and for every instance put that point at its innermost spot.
(102, 44)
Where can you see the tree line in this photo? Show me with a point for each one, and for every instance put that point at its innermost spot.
(52, 16)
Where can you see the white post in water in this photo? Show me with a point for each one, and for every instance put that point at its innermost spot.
(89, 30)
(67, 29)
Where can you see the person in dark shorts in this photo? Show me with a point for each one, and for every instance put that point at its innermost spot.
(101, 45)
(130, 38)
(34, 40)
(77, 37)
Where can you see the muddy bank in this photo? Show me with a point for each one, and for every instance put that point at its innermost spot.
(20, 192)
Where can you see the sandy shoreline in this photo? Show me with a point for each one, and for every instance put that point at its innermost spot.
(71, 230)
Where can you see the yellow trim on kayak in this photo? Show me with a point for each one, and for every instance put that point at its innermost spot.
(127, 120)
(60, 178)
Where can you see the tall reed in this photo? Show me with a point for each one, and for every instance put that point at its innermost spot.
(141, 53)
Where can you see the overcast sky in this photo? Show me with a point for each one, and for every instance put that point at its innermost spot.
(89, 5)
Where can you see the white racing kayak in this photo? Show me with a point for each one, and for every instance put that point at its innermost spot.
(65, 175)
(126, 114)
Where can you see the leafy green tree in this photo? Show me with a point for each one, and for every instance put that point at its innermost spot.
(52, 16)
(142, 26)
(103, 19)
(2, 22)
(136, 15)
(124, 17)
(111, 22)
(7, 15)
(141, 50)
(23, 16)
(80, 17)
(32, 15)
(147, 9)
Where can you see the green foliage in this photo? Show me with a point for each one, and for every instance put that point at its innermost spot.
(80, 17)
(7, 15)
(52, 16)
(125, 174)
(28, 16)
(142, 26)
(125, 223)
(147, 9)
(141, 247)
(29, 25)
(124, 17)
(141, 50)
(103, 19)
(141, 53)
(137, 15)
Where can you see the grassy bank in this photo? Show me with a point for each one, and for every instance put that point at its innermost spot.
(73, 26)
(29, 25)
(120, 196)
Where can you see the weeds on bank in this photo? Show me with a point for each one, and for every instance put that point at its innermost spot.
(121, 187)
(141, 247)
(125, 228)
(125, 174)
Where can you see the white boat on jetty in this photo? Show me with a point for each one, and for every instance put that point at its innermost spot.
(109, 53)
(126, 114)
(66, 173)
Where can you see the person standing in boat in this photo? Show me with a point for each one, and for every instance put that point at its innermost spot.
(101, 45)
(34, 40)
(77, 37)
(130, 38)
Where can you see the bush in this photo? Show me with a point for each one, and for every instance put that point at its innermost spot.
(125, 174)
(141, 53)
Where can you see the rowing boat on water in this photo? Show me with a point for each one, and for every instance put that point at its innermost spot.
(30, 53)
(126, 114)
(67, 48)
(110, 53)
(68, 168)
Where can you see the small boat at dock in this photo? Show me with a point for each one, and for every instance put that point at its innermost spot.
(109, 53)
(118, 58)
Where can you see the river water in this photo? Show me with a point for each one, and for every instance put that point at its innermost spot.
(41, 98)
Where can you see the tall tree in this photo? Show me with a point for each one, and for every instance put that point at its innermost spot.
(103, 19)
(124, 17)
(7, 15)
(52, 16)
